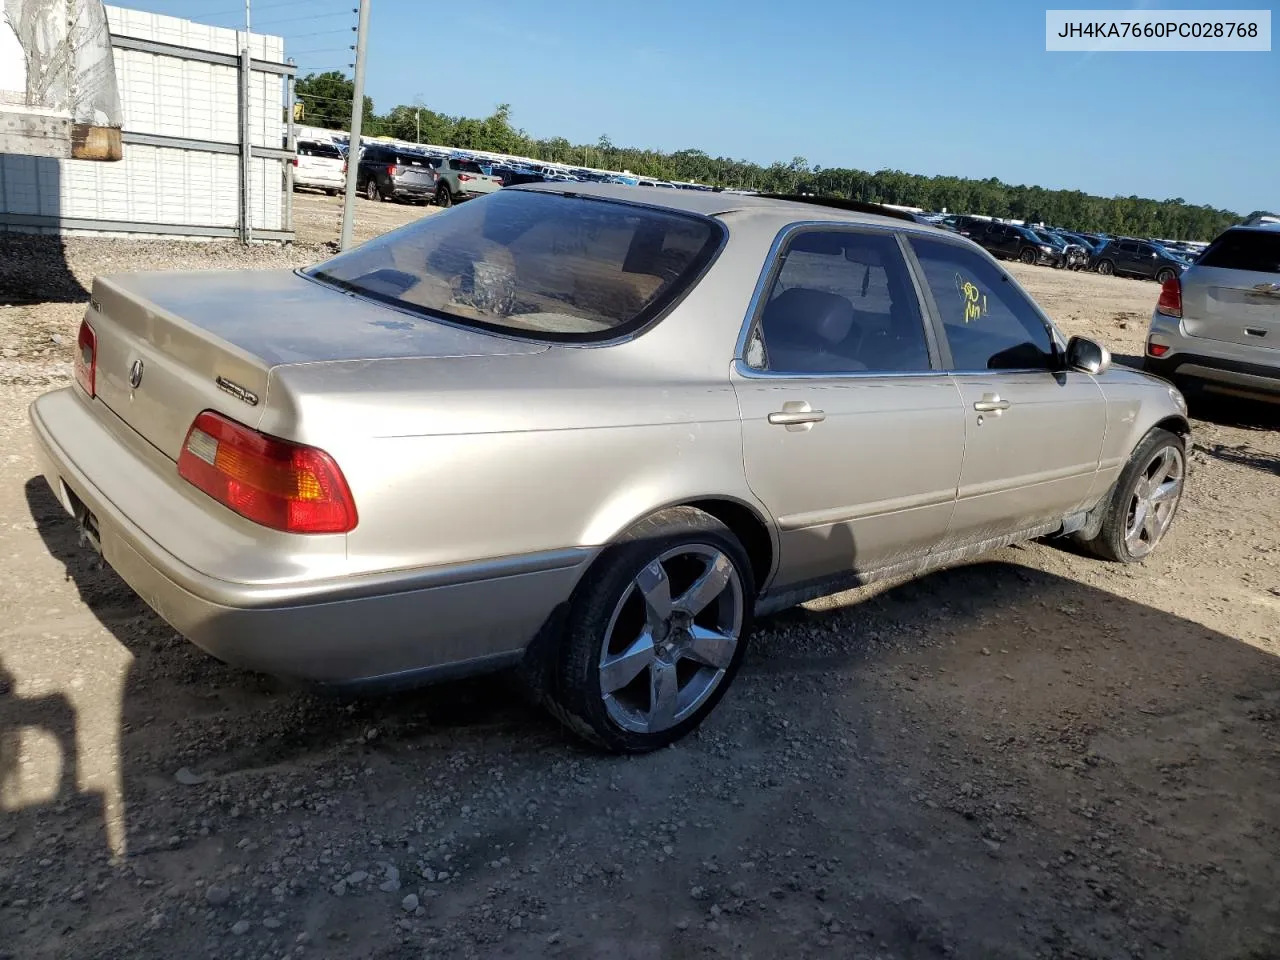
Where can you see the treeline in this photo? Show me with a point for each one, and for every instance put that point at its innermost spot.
(322, 97)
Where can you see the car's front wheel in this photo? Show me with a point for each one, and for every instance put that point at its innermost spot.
(1144, 500)
(655, 634)
(1106, 267)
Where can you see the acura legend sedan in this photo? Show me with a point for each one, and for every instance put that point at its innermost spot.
(588, 433)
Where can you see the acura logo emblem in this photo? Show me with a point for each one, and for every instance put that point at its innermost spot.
(135, 374)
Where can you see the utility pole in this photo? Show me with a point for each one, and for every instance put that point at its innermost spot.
(357, 116)
(246, 148)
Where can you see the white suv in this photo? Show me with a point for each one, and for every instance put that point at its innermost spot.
(321, 166)
(1217, 326)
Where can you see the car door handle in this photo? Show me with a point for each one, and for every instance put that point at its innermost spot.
(991, 403)
(797, 415)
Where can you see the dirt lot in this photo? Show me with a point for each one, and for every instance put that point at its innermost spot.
(1033, 755)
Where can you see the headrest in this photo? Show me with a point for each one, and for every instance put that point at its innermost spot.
(801, 313)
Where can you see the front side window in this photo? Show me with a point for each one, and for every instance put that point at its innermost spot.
(990, 325)
(539, 264)
(841, 302)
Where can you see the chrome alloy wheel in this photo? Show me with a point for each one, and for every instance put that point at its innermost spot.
(1153, 501)
(671, 637)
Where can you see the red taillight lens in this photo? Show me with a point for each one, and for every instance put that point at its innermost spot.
(465, 176)
(294, 161)
(1170, 302)
(1157, 349)
(393, 170)
(277, 483)
(87, 358)
(344, 166)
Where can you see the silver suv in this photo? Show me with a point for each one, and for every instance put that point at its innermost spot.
(1218, 326)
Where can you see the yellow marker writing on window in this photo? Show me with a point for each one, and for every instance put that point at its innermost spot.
(975, 301)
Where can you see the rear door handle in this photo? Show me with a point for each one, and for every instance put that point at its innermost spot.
(991, 403)
(797, 415)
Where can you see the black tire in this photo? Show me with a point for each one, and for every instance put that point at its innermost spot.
(332, 193)
(1106, 268)
(1110, 542)
(372, 191)
(443, 197)
(1027, 256)
(1164, 275)
(574, 694)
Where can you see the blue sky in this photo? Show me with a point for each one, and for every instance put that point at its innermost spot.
(931, 87)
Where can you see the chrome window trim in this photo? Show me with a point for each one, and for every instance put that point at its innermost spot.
(768, 275)
(748, 372)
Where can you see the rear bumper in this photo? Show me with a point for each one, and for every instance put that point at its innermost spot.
(334, 629)
(413, 190)
(319, 182)
(1217, 364)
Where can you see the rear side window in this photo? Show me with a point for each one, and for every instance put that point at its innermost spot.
(1257, 251)
(989, 324)
(842, 302)
(538, 264)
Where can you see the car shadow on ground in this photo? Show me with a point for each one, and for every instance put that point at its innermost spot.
(990, 760)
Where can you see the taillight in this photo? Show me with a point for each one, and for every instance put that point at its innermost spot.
(344, 166)
(294, 161)
(87, 358)
(277, 483)
(464, 177)
(393, 170)
(1157, 349)
(1170, 302)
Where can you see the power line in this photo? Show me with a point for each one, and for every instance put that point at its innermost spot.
(257, 6)
(322, 33)
(322, 16)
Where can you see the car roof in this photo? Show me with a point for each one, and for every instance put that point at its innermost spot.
(720, 204)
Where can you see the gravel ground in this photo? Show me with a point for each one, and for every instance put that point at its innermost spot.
(1033, 755)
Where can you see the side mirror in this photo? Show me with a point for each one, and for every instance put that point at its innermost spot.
(1087, 355)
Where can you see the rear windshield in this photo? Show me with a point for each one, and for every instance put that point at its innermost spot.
(537, 264)
(1254, 250)
(327, 150)
(467, 166)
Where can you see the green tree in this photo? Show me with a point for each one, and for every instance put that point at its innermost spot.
(326, 102)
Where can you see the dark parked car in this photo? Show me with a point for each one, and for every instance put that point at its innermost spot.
(1139, 258)
(389, 173)
(1012, 242)
(512, 176)
(965, 225)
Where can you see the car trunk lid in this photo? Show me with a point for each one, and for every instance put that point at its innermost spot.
(1232, 293)
(170, 345)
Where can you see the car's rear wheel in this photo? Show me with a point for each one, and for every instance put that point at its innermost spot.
(372, 192)
(1027, 255)
(655, 633)
(443, 197)
(1165, 275)
(1106, 268)
(1145, 499)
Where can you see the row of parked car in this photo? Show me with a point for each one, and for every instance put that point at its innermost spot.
(391, 171)
(1050, 246)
